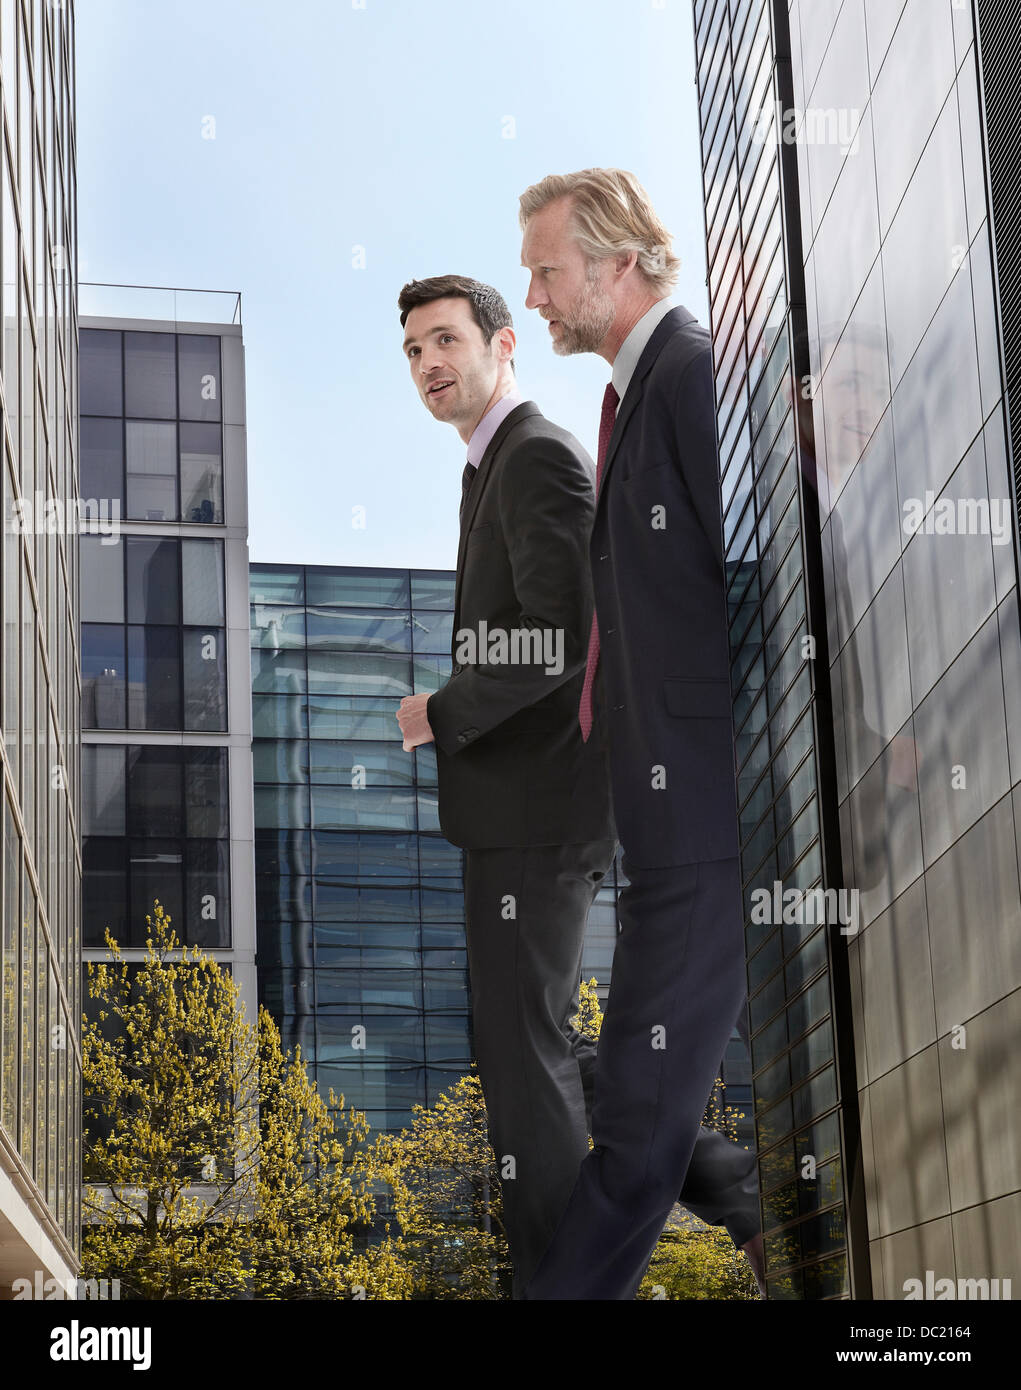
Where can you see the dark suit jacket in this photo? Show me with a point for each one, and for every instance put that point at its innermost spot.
(513, 769)
(657, 570)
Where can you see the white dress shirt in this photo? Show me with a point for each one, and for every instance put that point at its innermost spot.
(634, 345)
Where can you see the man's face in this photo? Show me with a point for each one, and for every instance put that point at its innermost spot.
(452, 366)
(569, 292)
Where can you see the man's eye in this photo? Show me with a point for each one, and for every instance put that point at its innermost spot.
(445, 336)
(412, 351)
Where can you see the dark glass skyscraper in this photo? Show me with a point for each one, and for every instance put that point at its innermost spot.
(854, 158)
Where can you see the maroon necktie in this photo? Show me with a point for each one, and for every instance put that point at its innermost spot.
(606, 422)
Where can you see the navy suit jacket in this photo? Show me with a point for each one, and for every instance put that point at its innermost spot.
(658, 580)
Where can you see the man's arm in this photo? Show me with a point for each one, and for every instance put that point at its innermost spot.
(546, 506)
(695, 437)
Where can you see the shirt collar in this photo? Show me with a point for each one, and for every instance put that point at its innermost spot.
(490, 423)
(634, 345)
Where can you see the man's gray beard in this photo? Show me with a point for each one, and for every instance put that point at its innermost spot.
(594, 321)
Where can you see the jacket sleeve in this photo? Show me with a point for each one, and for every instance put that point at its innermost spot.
(695, 436)
(546, 503)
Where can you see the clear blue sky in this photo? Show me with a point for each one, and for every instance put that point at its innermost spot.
(382, 127)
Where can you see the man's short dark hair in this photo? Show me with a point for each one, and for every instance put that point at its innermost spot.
(488, 306)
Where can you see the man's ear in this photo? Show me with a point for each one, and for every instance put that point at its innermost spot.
(623, 262)
(507, 342)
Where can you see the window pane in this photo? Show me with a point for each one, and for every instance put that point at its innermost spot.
(103, 789)
(104, 889)
(152, 471)
(154, 677)
(378, 764)
(99, 372)
(198, 358)
(150, 376)
(9, 973)
(432, 591)
(277, 586)
(277, 626)
(205, 678)
(365, 588)
(157, 871)
(280, 671)
(201, 473)
(279, 716)
(207, 893)
(205, 792)
(153, 582)
(154, 790)
(433, 632)
(353, 717)
(346, 629)
(102, 464)
(103, 683)
(102, 580)
(341, 808)
(355, 674)
(202, 581)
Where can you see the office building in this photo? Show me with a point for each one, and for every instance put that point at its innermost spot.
(860, 182)
(166, 708)
(40, 869)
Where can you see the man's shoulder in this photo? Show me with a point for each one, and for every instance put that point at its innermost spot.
(685, 341)
(534, 430)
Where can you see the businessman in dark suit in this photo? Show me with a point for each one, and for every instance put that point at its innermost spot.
(519, 788)
(656, 697)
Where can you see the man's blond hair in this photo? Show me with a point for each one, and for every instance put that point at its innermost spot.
(610, 213)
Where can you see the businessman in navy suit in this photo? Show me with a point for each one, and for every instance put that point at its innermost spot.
(656, 697)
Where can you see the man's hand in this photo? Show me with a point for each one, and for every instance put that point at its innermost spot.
(414, 721)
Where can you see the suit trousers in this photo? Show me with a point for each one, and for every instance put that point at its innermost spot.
(525, 911)
(677, 989)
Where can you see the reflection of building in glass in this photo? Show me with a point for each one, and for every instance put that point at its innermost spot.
(166, 762)
(360, 899)
(40, 941)
(858, 372)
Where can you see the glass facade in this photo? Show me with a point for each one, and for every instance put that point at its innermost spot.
(360, 901)
(166, 807)
(40, 867)
(883, 1052)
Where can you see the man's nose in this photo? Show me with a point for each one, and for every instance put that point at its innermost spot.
(535, 296)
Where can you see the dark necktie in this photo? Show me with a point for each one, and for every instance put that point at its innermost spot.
(467, 478)
(606, 423)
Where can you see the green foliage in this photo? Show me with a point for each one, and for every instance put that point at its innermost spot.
(216, 1170)
(214, 1167)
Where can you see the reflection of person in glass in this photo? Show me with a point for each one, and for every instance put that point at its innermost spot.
(855, 392)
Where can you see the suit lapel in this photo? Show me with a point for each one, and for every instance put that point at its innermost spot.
(668, 324)
(519, 413)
